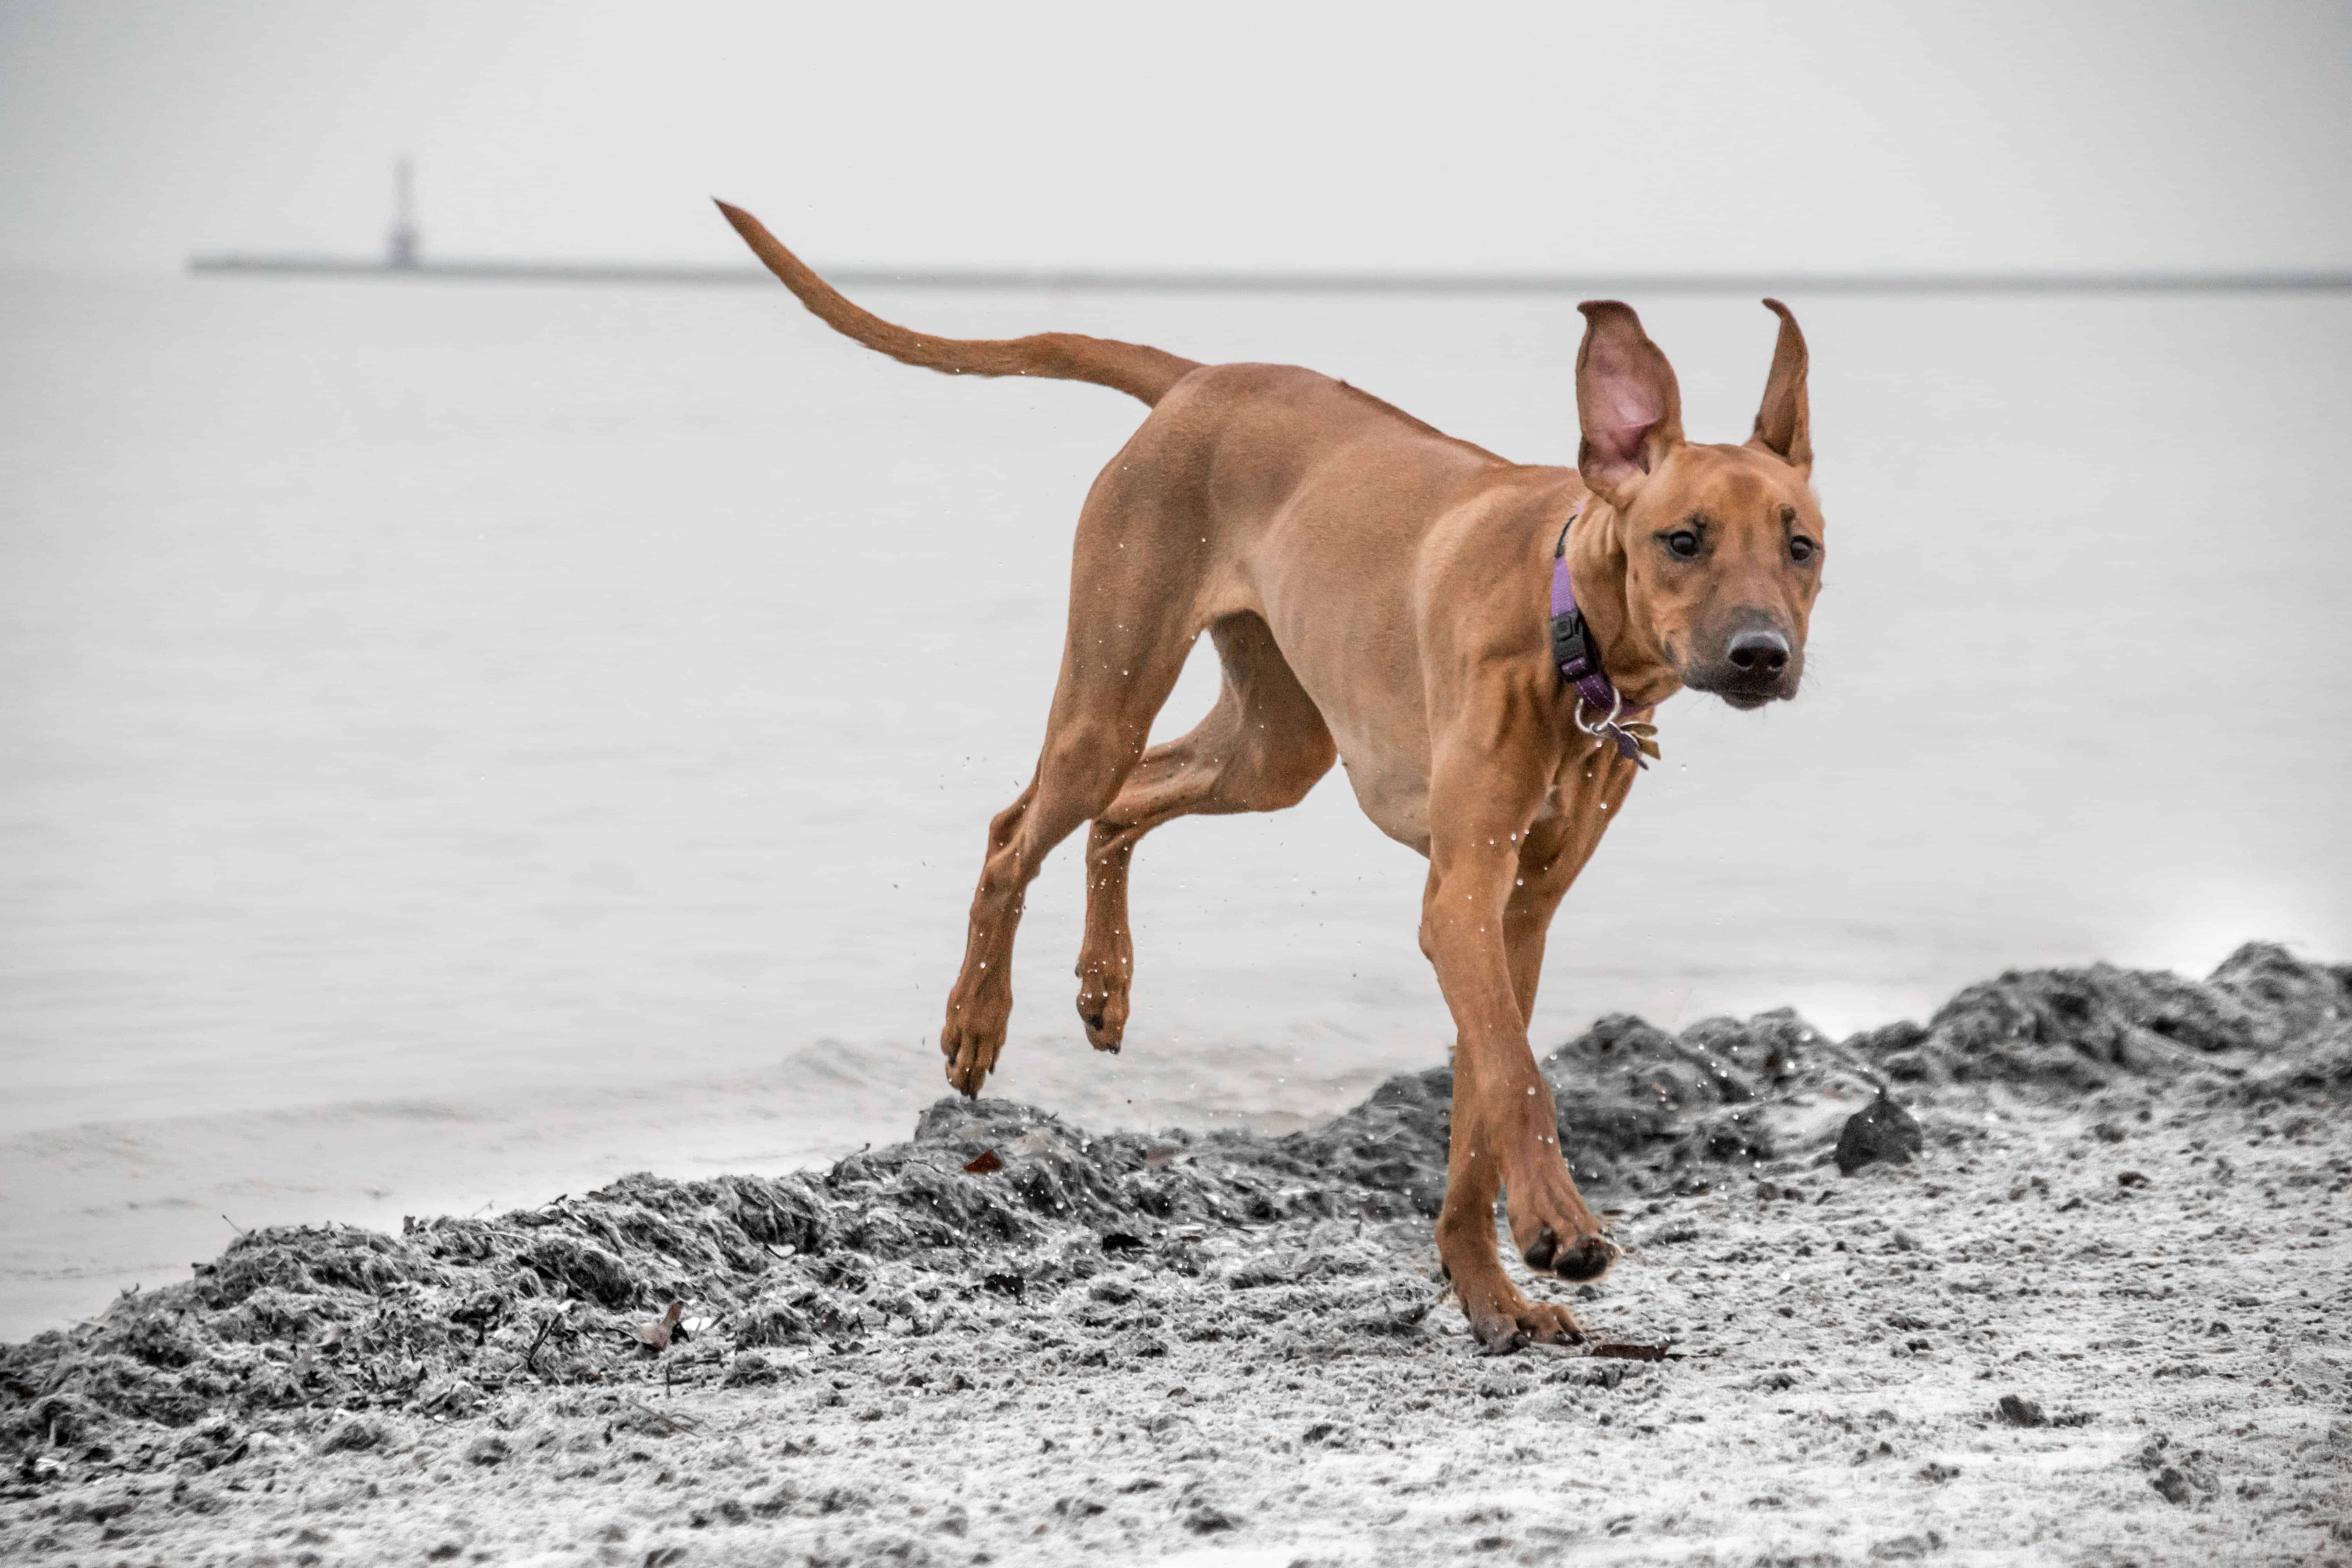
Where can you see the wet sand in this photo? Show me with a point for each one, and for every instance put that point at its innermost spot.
(2097, 1318)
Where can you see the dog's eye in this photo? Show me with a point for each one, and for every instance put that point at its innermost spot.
(1682, 543)
(1800, 549)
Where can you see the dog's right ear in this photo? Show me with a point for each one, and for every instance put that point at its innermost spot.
(1627, 402)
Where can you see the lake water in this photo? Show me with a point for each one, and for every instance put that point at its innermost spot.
(460, 742)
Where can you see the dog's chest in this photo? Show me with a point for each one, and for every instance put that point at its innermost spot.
(1589, 784)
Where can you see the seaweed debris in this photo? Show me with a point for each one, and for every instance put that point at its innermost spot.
(321, 1328)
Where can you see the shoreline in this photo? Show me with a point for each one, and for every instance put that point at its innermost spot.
(2128, 1210)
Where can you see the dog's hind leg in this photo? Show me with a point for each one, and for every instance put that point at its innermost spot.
(1086, 756)
(1262, 748)
(1132, 621)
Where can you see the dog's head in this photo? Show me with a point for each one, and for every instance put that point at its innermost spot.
(1721, 545)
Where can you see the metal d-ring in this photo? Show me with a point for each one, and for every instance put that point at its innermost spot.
(1606, 726)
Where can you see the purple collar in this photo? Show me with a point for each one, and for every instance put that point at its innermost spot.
(1574, 650)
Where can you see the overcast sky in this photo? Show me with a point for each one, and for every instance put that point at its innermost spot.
(1556, 136)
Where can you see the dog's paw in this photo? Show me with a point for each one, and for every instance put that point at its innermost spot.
(979, 1009)
(1587, 1256)
(1551, 1225)
(1102, 1008)
(1510, 1321)
(970, 1059)
(971, 1048)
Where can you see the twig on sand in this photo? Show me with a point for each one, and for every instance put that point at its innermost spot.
(671, 1425)
(531, 1359)
(234, 1226)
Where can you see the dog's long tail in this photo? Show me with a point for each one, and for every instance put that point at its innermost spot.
(1131, 368)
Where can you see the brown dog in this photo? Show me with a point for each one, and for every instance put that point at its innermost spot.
(1377, 592)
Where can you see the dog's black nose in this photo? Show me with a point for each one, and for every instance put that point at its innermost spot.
(1759, 652)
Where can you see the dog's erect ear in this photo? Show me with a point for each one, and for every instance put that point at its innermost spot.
(1626, 401)
(1784, 424)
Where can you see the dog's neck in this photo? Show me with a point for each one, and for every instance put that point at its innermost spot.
(1596, 565)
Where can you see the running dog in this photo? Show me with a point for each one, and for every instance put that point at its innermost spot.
(1479, 641)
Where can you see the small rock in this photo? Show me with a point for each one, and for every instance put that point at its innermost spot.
(449, 1395)
(750, 1369)
(2020, 1411)
(106, 1503)
(2170, 1485)
(489, 1448)
(1879, 1130)
(353, 1435)
(189, 1498)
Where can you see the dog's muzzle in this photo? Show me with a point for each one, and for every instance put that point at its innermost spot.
(1758, 666)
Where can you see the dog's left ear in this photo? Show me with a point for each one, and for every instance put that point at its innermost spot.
(1783, 423)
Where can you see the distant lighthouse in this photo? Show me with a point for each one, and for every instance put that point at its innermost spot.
(400, 246)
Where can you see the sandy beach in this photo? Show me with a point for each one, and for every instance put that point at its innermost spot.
(2096, 1318)
(512, 703)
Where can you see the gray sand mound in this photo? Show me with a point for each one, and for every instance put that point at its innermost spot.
(329, 1330)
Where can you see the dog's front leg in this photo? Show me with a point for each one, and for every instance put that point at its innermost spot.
(1503, 1132)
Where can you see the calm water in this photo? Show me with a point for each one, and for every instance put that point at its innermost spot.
(461, 742)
